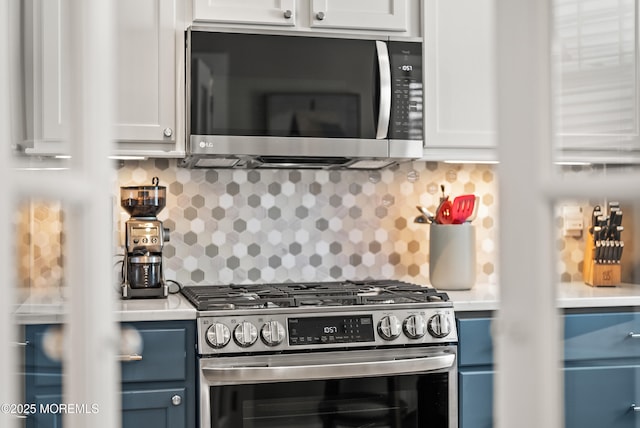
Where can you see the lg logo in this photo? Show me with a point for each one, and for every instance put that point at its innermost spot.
(206, 145)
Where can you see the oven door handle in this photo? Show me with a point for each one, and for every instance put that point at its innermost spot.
(284, 373)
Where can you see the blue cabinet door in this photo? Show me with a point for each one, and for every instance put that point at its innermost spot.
(140, 409)
(154, 409)
(598, 397)
(476, 398)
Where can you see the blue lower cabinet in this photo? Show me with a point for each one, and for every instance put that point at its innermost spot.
(601, 373)
(158, 389)
(476, 399)
(162, 408)
(597, 397)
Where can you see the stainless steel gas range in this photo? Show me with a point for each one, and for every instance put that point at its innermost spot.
(327, 354)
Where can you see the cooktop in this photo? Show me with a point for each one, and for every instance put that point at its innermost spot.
(318, 294)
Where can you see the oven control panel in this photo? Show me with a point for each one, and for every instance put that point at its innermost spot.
(268, 332)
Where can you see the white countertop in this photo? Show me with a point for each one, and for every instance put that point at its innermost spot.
(485, 297)
(49, 309)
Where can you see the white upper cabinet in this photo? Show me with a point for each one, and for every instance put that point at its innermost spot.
(45, 83)
(146, 71)
(596, 74)
(377, 16)
(149, 77)
(269, 12)
(459, 64)
(391, 15)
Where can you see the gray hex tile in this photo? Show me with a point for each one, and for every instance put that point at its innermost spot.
(275, 262)
(315, 260)
(375, 247)
(295, 176)
(175, 188)
(355, 188)
(254, 201)
(302, 212)
(190, 238)
(233, 188)
(295, 248)
(335, 272)
(274, 213)
(190, 213)
(254, 274)
(211, 175)
(168, 251)
(253, 176)
(161, 164)
(197, 201)
(335, 248)
(253, 250)
(355, 212)
(197, 276)
(315, 188)
(218, 213)
(239, 225)
(322, 224)
(233, 262)
(335, 201)
(380, 212)
(335, 176)
(355, 259)
(211, 250)
(274, 188)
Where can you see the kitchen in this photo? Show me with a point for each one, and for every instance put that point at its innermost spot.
(301, 219)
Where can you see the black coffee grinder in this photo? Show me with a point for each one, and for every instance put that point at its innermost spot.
(143, 276)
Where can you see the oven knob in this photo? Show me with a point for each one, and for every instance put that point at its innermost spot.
(439, 325)
(414, 327)
(389, 327)
(245, 334)
(218, 335)
(272, 333)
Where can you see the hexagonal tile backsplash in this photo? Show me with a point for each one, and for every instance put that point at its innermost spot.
(238, 226)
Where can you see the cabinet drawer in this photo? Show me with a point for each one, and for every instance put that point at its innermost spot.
(163, 355)
(474, 342)
(597, 397)
(601, 336)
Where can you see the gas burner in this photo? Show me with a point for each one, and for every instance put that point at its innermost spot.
(284, 295)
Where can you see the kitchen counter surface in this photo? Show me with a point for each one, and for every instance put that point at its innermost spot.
(49, 309)
(485, 297)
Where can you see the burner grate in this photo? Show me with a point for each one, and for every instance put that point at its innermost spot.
(280, 295)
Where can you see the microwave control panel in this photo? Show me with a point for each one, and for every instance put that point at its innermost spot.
(406, 91)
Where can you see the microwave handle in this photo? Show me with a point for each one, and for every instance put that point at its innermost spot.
(384, 68)
(292, 373)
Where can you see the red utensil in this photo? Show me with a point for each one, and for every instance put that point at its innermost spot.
(444, 212)
(462, 208)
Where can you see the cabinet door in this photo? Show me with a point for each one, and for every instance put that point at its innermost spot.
(270, 12)
(388, 15)
(459, 73)
(476, 399)
(596, 61)
(597, 397)
(46, 80)
(154, 409)
(146, 64)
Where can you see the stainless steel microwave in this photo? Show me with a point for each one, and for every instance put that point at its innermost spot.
(300, 101)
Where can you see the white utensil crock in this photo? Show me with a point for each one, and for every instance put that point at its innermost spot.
(452, 256)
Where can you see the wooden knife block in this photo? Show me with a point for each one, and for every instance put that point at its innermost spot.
(598, 274)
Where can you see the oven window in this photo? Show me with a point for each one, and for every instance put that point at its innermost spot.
(410, 401)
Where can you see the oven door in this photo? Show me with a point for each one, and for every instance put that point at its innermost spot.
(406, 388)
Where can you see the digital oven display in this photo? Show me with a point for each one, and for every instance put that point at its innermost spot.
(328, 330)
